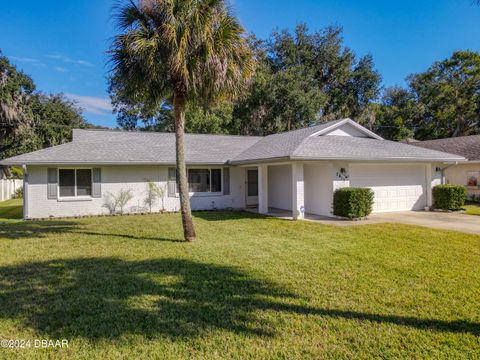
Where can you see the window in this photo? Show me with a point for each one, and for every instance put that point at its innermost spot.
(75, 182)
(204, 180)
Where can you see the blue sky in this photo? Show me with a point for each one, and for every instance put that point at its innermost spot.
(62, 44)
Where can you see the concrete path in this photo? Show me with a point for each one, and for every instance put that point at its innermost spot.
(437, 220)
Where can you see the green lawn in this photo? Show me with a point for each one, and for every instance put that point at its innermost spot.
(10, 210)
(472, 209)
(250, 287)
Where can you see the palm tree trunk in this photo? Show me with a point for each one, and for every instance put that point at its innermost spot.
(179, 111)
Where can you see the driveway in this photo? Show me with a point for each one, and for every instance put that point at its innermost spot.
(437, 220)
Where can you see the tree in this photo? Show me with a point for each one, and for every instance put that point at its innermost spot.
(450, 92)
(16, 118)
(304, 78)
(179, 51)
(55, 117)
(398, 114)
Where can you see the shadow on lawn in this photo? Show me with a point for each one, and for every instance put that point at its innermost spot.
(228, 215)
(40, 229)
(99, 298)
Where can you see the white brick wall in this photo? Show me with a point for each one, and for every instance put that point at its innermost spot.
(115, 178)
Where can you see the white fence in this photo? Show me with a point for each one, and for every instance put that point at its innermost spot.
(8, 187)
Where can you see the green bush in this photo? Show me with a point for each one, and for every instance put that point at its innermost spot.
(353, 203)
(449, 197)
(18, 194)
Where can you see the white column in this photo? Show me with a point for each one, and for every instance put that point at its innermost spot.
(263, 189)
(298, 192)
(25, 192)
(428, 184)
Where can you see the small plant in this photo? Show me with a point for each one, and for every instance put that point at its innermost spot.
(18, 194)
(449, 196)
(116, 203)
(353, 203)
(154, 192)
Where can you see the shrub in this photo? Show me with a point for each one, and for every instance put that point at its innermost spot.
(18, 194)
(352, 202)
(116, 203)
(449, 197)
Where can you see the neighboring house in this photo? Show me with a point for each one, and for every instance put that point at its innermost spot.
(296, 171)
(465, 173)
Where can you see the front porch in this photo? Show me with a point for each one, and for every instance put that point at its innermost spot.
(294, 190)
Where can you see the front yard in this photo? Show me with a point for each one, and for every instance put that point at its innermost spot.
(250, 287)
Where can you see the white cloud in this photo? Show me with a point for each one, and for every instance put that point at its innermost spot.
(60, 69)
(67, 59)
(92, 104)
(27, 60)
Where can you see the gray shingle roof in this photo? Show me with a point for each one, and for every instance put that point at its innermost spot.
(359, 148)
(123, 147)
(466, 146)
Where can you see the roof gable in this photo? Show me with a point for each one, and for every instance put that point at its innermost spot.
(347, 127)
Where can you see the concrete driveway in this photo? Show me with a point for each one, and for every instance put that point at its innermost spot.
(437, 220)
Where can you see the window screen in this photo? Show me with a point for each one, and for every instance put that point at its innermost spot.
(66, 182)
(84, 182)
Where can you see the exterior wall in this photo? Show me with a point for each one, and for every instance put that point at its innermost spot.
(458, 174)
(115, 178)
(319, 188)
(280, 187)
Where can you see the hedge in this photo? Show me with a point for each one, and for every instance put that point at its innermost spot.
(449, 197)
(352, 203)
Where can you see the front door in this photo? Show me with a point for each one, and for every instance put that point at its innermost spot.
(252, 187)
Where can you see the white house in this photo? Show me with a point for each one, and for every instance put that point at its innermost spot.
(296, 171)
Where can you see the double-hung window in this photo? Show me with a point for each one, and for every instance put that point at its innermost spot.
(74, 182)
(205, 180)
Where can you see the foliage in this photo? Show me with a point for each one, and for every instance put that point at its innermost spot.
(116, 203)
(17, 172)
(450, 92)
(154, 192)
(352, 203)
(251, 287)
(449, 196)
(398, 114)
(16, 118)
(300, 79)
(18, 194)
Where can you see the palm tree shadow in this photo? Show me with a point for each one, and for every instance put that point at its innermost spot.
(105, 298)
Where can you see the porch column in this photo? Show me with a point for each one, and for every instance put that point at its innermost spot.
(263, 189)
(298, 193)
(428, 183)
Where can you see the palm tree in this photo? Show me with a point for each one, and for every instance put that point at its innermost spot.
(179, 51)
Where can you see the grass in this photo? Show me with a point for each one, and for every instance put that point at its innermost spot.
(472, 209)
(249, 287)
(11, 210)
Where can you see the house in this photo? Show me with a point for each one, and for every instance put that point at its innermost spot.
(296, 171)
(465, 173)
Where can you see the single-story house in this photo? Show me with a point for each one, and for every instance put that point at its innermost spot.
(465, 173)
(297, 171)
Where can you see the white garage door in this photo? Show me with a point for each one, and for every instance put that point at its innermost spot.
(396, 187)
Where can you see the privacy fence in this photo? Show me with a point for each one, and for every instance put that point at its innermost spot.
(8, 187)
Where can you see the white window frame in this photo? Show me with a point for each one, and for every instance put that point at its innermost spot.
(75, 197)
(207, 193)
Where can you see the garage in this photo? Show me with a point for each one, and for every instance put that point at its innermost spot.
(396, 187)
